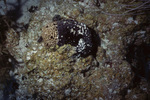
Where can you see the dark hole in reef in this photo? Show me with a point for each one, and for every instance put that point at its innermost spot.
(139, 58)
(40, 39)
(35, 95)
(96, 42)
(138, 51)
(24, 78)
(9, 84)
(52, 37)
(84, 71)
(15, 13)
(33, 9)
(47, 26)
(46, 44)
(56, 18)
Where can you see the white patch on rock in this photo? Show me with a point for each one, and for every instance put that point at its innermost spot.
(28, 58)
(52, 8)
(105, 43)
(22, 45)
(40, 47)
(19, 60)
(115, 25)
(136, 22)
(64, 22)
(34, 48)
(40, 80)
(67, 91)
(142, 32)
(130, 20)
(102, 5)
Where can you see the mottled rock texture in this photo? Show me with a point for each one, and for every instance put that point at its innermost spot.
(111, 74)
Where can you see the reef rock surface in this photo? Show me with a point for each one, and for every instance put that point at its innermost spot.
(51, 73)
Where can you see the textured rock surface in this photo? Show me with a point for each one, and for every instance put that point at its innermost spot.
(45, 73)
(50, 34)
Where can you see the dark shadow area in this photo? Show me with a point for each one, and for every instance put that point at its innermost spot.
(9, 89)
(139, 59)
(16, 12)
(96, 42)
(138, 56)
(57, 18)
(138, 51)
(7, 61)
